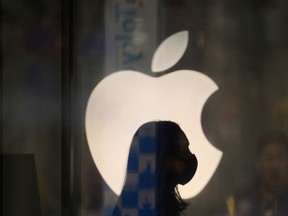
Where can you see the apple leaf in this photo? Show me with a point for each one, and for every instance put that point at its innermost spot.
(170, 51)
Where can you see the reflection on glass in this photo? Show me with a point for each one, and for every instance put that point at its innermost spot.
(269, 195)
(241, 45)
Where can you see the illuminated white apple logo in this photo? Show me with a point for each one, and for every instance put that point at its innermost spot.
(125, 100)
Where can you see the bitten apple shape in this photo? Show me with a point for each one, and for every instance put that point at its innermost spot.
(125, 100)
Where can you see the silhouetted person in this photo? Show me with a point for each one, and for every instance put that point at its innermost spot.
(269, 196)
(159, 160)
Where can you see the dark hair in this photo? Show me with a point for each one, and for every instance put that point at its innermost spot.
(175, 204)
(168, 134)
(272, 137)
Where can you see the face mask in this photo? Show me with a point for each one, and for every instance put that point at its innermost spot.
(189, 169)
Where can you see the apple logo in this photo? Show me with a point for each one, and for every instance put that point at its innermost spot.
(125, 100)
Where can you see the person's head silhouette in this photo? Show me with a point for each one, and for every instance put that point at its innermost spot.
(159, 160)
(272, 163)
